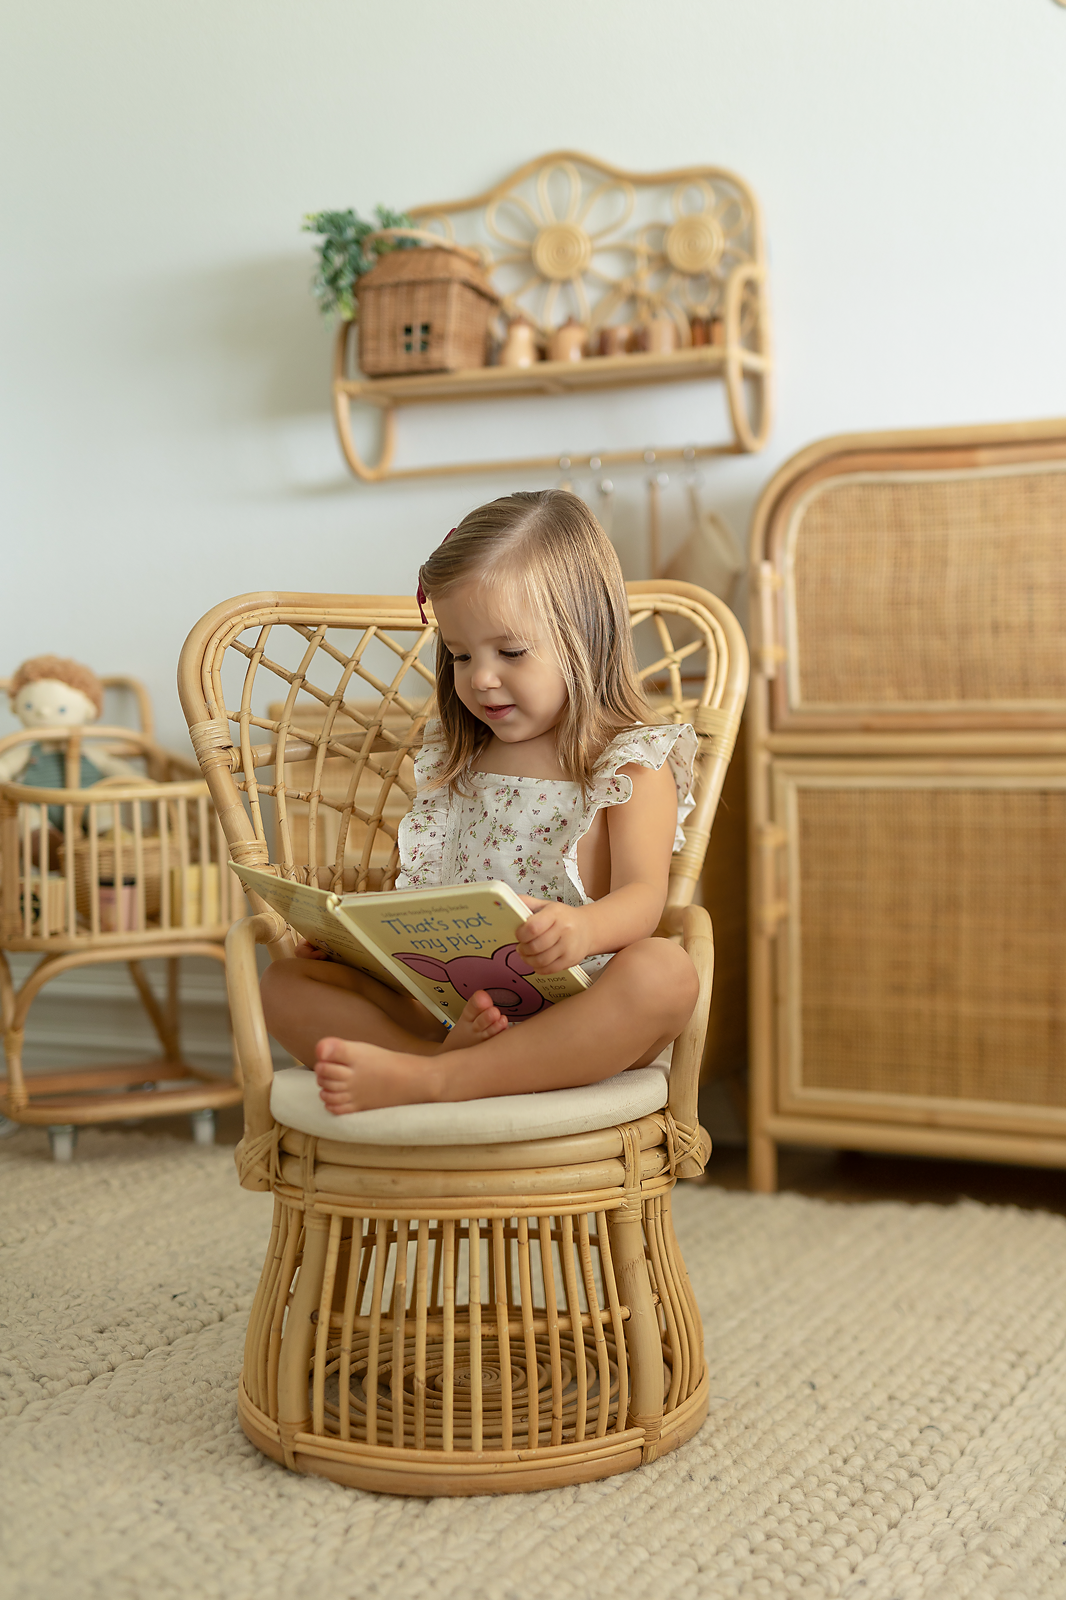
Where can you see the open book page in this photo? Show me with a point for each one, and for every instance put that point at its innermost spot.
(438, 944)
(311, 912)
(457, 939)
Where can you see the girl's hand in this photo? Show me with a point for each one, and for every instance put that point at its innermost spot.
(555, 937)
(310, 952)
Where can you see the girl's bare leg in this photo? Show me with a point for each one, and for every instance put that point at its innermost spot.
(303, 1000)
(640, 1003)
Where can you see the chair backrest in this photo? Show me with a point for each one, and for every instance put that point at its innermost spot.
(306, 711)
(128, 857)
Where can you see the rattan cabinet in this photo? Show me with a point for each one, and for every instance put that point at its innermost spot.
(907, 780)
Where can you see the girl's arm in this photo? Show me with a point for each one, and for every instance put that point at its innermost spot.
(641, 835)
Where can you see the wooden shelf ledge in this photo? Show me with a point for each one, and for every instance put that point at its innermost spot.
(732, 363)
(554, 377)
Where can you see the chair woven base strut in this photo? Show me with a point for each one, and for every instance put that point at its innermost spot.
(453, 1346)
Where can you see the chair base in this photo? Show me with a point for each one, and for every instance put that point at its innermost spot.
(409, 1338)
(164, 1085)
(102, 1094)
(408, 1472)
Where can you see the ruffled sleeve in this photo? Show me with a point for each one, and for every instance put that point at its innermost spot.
(675, 743)
(423, 833)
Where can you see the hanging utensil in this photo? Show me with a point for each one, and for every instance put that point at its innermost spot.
(657, 482)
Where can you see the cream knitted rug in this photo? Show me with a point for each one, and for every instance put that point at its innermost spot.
(888, 1414)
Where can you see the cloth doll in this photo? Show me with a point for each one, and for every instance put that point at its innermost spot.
(50, 693)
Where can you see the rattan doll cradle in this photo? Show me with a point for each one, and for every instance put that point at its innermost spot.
(127, 870)
(456, 1299)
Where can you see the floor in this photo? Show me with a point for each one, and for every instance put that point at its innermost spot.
(887, 1388)
(857, 1176)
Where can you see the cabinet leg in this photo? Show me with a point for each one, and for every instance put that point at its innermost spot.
(762, 1164)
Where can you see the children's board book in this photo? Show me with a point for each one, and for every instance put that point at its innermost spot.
(438, 944)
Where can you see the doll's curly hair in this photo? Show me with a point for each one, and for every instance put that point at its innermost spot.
(78, 676)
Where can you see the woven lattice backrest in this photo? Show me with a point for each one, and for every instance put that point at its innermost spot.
(912, 584)
(306, 712)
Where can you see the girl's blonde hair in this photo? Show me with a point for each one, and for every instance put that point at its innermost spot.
(545, 555)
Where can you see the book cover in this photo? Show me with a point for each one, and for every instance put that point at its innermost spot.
(458, 939)
(439, 944)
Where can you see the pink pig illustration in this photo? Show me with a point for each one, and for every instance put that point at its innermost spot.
(501, 975)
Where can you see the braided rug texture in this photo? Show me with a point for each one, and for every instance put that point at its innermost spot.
(888, 1412)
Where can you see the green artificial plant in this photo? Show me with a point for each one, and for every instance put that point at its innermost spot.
(343, 254)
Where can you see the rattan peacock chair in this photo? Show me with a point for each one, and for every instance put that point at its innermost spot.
(456, 1299)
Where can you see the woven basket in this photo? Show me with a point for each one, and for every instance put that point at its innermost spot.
(105, 870)
(424, 310)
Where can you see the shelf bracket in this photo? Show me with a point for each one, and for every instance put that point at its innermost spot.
(342, 413)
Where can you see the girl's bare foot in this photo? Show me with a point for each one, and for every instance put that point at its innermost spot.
(361, 1077)
(480, 1020)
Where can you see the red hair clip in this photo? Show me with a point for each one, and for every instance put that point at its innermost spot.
(420, 593)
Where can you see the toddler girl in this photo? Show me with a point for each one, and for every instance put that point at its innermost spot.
(541, 771)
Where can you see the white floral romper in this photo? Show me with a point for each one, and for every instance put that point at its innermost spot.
(525, 831)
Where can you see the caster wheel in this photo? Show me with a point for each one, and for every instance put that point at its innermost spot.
(8, 1127)
(203, 1127)
(62, 1136)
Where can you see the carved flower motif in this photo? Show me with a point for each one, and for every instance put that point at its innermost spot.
(695, 254)
(566, 238)
(556, 239)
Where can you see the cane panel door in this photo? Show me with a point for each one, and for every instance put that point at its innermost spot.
(921, 956)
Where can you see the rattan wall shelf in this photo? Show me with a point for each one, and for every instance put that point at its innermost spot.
(566, 232)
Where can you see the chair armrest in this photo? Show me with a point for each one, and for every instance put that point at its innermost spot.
(246, 1012)
(683, 1105)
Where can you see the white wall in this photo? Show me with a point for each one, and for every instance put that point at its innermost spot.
(164, 431)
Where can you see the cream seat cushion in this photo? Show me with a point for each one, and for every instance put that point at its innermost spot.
(295, 1102)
